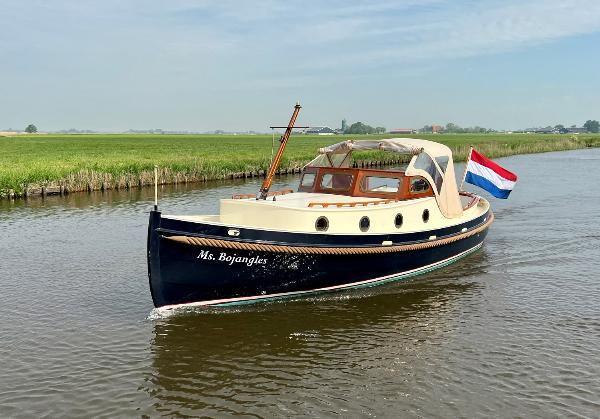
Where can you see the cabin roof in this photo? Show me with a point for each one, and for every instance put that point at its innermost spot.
(396, 145)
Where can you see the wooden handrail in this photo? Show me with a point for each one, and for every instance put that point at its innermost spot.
(350, 204)
(251, 195)
(474, 199)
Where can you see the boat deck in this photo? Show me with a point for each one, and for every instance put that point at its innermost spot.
(304, 199)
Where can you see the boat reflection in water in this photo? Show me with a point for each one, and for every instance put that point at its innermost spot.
(310, 355)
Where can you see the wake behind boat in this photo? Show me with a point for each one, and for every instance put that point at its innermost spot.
(343, 228)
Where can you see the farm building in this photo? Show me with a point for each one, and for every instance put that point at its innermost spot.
(403, 131)
(319, 131)
(576, 130)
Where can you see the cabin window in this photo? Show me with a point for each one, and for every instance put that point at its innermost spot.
(364, 224)
(399, 220)
(424, 162)
(308, 180)
(379, 184)
(442, 161)
(418, 185)
(322, 224)
(336, 181)
(425, 215)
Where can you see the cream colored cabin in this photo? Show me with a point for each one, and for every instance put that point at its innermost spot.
(337, 199)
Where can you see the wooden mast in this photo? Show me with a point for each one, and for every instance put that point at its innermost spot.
(264, 189)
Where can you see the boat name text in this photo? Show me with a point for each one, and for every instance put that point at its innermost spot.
(231, 259)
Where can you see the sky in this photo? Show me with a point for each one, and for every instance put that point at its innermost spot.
(202, 65)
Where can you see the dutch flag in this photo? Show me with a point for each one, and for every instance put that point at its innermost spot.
(486, 174)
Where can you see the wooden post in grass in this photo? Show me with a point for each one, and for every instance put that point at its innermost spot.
(155, 188)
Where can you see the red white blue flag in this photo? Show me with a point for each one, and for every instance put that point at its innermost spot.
(488, 175)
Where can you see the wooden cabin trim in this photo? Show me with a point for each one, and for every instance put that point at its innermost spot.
(358, 175)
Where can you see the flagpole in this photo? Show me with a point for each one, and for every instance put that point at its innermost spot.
(464, 176)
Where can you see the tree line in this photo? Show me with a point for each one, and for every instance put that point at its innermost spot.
(591, 125)
(455, 129)
(360, 128)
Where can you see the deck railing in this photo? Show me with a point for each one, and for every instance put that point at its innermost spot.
(253, 195)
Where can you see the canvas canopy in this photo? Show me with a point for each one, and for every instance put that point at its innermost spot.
(431, 160)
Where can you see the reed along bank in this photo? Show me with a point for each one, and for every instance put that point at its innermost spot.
(57, 164)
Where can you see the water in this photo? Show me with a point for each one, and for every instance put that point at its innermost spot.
(512, 330)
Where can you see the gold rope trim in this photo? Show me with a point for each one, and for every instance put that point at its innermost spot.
(256, 247)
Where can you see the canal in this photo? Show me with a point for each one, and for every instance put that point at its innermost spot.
(512, 330)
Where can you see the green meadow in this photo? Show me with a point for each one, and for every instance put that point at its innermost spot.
(96, 161)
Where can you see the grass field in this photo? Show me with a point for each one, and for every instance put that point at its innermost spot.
(83, 162)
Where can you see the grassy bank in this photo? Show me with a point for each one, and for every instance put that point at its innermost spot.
(68, 163)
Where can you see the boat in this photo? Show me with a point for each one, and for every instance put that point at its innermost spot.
(344, 227)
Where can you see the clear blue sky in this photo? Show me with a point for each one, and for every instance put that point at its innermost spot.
(237, 65)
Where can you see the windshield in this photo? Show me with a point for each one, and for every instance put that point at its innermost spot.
(424, 162)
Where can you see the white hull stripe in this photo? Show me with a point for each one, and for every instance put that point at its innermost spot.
(359, 284)
(489, 174)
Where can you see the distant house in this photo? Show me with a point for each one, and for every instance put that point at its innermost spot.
(403, 131)
(435, 129)
(576, 130)
(319, 131)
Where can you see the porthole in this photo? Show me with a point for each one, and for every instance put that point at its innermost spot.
(364, 224)
(398, 220)
(425, 215)
(322, 224)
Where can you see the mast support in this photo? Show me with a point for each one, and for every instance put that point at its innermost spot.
(264, 189)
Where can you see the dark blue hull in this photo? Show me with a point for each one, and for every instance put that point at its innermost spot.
(182, 273)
